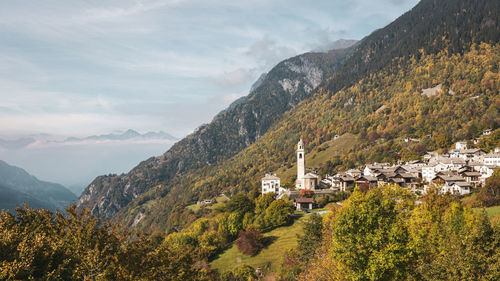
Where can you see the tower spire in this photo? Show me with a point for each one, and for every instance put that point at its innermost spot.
(301, 164)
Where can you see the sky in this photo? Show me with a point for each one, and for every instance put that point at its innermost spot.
(78, 68)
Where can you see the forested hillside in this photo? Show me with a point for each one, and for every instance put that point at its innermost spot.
(381, 107)
(432, 76)
(233, 129)
(377, 97)
(380, 110)
(431, 26)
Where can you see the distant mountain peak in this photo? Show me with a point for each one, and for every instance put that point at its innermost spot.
(127, 135)
(131, 132)
(45, 139)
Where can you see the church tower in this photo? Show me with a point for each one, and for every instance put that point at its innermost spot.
(301, 164)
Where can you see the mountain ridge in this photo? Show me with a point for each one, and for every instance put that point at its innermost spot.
(130, 134)
(230, 131)
(25, 188)
(127, 135)
(241, 174)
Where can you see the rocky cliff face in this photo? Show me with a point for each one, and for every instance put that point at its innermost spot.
(233, 129)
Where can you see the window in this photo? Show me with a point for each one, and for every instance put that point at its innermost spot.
(300, 155)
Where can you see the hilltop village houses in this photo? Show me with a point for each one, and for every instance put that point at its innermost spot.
(457, 172)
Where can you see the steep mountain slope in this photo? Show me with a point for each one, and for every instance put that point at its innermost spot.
(474, 106)
(381, 107)
(18, 187)
(233, 129)
(430, 27)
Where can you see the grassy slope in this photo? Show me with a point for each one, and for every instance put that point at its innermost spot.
(220, 200)
(286, 239)
(493, 211)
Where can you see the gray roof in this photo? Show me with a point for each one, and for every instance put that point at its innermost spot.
(463, 184)
(452, 161)
(270, 177)
(311, 176)
(492, 155)
(353, 171)
(368, 178)
(407, 175)
(396, 180)
(471, 174)
(344, 177)
(389, 174)
(470, 150)
(450, 178)
(304, 200)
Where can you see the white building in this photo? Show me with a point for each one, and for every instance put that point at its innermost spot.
(355, 173)
(467, 154)
(429, 172)
(373, 169)
(311, 181)
(441, 165)
(450, 164)
(461, 145)
(492, 159)
(430, 155)
(301, 165)
(486, 171)
(457, 188)
(271, 183)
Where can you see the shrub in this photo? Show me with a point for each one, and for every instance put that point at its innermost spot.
(249, 242)
(306, 193)
(489, 195)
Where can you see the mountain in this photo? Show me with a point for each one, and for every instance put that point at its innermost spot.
(233, 129)
(44, 139)
(74, 162)
(374, 94)
(16, 143)
(338, 44)
(127, 135)
(10, 199)
(18, 187)
(430, 27)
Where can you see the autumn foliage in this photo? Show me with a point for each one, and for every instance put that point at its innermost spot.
(306, 193)
(249, 242)
(489, 195)
(383, 235)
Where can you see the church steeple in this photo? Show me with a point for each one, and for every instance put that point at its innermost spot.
(301, 164)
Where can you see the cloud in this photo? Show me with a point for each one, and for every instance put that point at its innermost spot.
(29, 101)
(229, 98)
(96, 66)
(111, 13)
(268, 52)
(235, 78)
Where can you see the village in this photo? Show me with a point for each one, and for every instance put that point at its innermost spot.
(458, 172)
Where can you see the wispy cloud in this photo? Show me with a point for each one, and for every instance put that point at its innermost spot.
(111, 13)
(96, 66)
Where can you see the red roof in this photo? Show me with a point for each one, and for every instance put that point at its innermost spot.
(304, 200)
